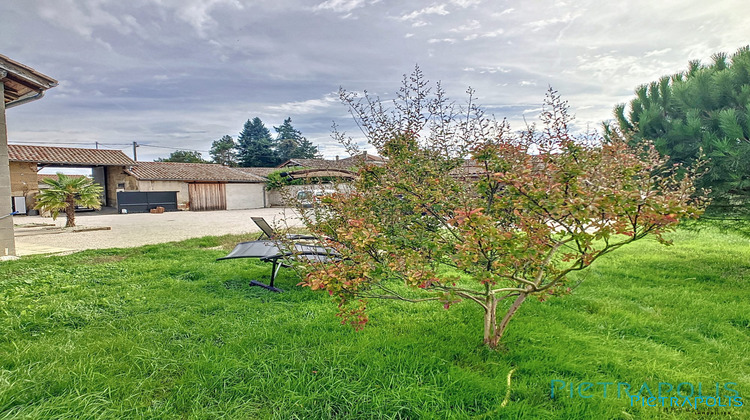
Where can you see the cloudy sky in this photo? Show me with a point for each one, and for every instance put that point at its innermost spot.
(182, 73)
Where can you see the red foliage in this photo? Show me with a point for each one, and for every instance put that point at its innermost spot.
(465, 209)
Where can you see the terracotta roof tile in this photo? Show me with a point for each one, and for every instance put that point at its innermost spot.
(345, 163)
(40, 177)
(68, 156)
(366, 157)
(264, 172)
(310, 163)
(177, 171)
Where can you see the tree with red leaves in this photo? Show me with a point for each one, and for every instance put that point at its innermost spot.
(464, 209)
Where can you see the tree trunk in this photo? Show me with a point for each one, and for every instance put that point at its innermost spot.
(70, 212)
(493, 332)
(490, 323)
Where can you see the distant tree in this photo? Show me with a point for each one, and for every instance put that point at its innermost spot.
(223, 151)
(255, 146)
(65, 193)
(290, 144)
(465, 209)
(307, 150)
(184, 156)
(706, 107)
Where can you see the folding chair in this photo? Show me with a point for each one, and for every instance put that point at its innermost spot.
(269, 233)
(270, 251)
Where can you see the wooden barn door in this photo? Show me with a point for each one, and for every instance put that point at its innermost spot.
(204, 197)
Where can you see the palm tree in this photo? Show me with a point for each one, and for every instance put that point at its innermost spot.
(67, 192)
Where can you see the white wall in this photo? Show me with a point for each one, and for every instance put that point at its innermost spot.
(245, 196)
(239, 195)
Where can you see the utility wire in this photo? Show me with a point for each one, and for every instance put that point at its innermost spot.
(126, 146)
(173, 148)
(47, 143)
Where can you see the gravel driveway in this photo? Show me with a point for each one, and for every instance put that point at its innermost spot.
(136, 229)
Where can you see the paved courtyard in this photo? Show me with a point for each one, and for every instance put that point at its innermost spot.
(136, 229)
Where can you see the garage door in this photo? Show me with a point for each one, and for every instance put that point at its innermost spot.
(143, 201)
(204, 197)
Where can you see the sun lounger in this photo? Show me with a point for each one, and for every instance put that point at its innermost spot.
(279, 255)
(269, 233)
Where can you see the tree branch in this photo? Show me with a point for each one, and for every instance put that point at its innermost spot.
(508, 289)
(474, 298)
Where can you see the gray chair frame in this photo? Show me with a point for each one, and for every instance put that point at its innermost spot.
(269, 233)
(275, 253)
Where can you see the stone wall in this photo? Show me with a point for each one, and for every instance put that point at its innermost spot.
(118, 180)
(23, 181)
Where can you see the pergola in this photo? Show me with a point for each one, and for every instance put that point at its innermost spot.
(20, 84)
(319, 173)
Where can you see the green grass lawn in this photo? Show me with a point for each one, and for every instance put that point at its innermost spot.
(164, 331)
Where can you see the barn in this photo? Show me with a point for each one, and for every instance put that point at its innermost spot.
(107, 169)
(202, 186)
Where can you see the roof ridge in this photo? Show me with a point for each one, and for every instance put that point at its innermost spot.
(68, 155)
(191, 172)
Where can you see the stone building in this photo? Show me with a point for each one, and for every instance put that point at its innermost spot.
(19, 84)
(108, 167)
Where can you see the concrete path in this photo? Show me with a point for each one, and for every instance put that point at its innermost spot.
(136, 229)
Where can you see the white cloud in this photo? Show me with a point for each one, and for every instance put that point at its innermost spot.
(66, 88)
(83, 17)
(466, 3)
(543, 23)
(504, 12)
(469, 26)
(441, 40)
(487, 69)
(493, 34)
(431, 10)
(310, 106)
(197, 13)
(657, 52)
(340, 6)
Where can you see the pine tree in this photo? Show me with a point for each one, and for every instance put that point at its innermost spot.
(223, 151)
(706, 108)
(291, 144)
(307, 150)
(255, 146)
